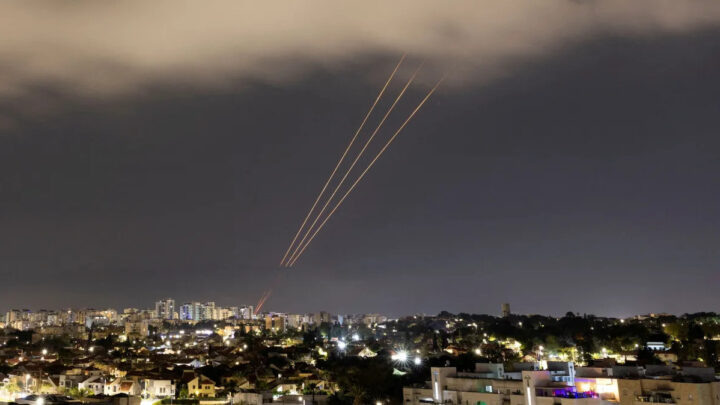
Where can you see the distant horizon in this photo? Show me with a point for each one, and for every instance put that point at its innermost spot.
(390, 315)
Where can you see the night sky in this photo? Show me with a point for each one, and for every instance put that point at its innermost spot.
(582, 176)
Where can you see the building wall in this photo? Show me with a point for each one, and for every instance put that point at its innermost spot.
(446, 386)
(413, 396)
(682, 393)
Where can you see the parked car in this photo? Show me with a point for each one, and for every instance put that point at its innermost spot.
(34, 399)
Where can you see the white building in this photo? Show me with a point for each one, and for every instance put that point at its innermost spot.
(165, 308)
(491, 384)
(95, 383)
(197, 311)
(123, 386)
(158, 388)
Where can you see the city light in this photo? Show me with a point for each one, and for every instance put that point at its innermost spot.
(400, 356)
(406, 357)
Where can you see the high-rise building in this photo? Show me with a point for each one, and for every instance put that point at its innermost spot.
(505, 310)
(247, 312)
(321, 317)
(210, 312)
(165, 308)
(12, 316)
(275, 323)
(192, 311)
(197, 311)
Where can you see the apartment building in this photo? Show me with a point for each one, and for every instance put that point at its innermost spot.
(558, 383)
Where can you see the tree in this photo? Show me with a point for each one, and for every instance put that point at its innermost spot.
(358, 394)
(231, 385)
(11, 387)
(312, 387)
(79, 392)
(647, 356)
(47, 388)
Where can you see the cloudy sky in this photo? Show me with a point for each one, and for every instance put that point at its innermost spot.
(570, 161)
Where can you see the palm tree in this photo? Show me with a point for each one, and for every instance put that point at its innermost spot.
(358, 394)
(312, 387)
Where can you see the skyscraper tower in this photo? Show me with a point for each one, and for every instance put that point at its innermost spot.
(165, 308)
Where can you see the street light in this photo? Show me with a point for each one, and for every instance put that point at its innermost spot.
(400, 356)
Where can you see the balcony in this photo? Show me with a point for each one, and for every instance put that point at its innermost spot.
(655, 399)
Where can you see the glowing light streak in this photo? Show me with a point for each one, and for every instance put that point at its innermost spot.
(337, 166)
(352, 166)
(370, 165)
(264, 298)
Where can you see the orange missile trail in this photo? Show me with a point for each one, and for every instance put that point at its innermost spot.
(262, 300)
(387, 144)
(332, 174)
(347, 172)
(273, 285)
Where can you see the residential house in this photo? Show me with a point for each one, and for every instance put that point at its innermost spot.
(94, 383)
(158, 388)
(123, 386)
(201, 387)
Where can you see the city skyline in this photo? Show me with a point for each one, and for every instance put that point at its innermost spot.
(178, 307)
